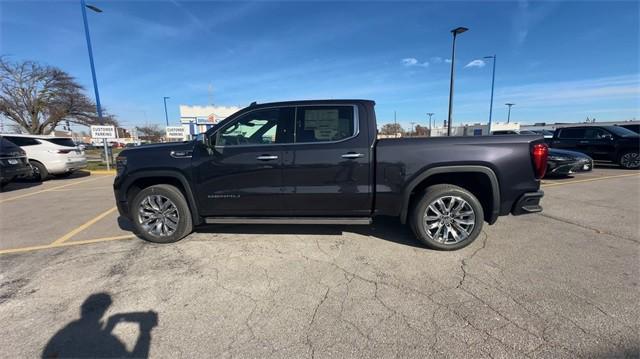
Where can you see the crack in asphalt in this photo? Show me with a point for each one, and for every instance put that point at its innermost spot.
(596, 230)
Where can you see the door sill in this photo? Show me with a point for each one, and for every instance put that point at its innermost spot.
(289, 220)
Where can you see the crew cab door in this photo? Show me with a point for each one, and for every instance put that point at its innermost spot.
(240, 172)
(600, 144)
(326, 171)
(570, 139)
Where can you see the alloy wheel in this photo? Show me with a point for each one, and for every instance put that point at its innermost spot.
(630, 160)
(158, 215)
(449, 220)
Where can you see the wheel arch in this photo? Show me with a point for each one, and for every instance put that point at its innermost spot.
(473, 178)
(141, 180)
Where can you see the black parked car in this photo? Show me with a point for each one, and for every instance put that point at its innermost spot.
(13, 162)
(609, 143)
(564, 163)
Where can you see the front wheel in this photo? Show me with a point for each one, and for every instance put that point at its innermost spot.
(630, 160)
(161, 214)
(447, 217)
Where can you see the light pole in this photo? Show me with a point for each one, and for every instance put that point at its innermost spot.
(455, 32)
(412, 127)
(166, 117)
(84, 7)
(509, 113)
(430, 114)
(493, 81)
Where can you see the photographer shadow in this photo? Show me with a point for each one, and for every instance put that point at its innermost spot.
(91, 337)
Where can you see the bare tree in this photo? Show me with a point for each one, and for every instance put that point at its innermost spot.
(390, 129)
(151, 133)
(37, 98)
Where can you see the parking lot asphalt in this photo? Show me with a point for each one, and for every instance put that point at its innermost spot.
(563, 283)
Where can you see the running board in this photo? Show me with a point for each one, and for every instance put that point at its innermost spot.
(289, 220)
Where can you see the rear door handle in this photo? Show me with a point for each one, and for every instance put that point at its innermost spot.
(584, 141)
(352, 155)
(267, 157)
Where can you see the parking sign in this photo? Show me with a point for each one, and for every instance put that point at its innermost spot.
(175, 132)
(103, 132)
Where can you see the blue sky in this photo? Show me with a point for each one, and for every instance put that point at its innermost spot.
(558, 61)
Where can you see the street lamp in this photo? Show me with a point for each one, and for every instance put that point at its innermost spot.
(430, 114)
(509, 113)
(412, 129)
(84, 7)
(493, 81)
(455, 32)
(166, 117)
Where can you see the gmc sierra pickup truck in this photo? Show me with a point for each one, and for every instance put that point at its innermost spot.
(320, 162)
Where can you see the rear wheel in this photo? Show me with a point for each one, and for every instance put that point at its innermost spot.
(630, 160)
(40, 172)
(447, 217)
(161, 214)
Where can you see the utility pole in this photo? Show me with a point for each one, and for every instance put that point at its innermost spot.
(166, 116)
(84, 7)
(455, 32)
(509, 113)
(430, 114)
(413, 132)
(493, 81)
(395, 122)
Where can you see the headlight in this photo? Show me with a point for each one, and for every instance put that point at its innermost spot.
(121, 163)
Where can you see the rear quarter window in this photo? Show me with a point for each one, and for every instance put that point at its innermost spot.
(66, 142)
(571, 133)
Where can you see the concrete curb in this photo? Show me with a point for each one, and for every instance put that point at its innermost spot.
(102, 172)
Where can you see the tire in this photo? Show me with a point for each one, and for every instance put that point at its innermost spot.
(152, 198)
(40, 172)
(461, 227)
(629, 160)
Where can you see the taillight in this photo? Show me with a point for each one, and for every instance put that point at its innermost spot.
(539, 153)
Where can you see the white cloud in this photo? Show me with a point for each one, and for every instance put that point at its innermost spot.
(447, 61)
(412, 61)
(476, 63)
(436, 59)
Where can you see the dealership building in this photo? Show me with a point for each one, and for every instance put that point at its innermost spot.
(198, 119)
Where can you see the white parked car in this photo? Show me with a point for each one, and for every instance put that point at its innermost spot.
(57, 156)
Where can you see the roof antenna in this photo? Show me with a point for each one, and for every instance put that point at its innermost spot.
(253, 104)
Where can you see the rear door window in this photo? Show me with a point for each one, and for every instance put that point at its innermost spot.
(324, 123)
(66, 142)
(571, 133)
(23, 141)
(596, 134)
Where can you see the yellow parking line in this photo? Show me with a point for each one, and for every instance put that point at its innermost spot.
(589, 180)
(83, 226)
(47, 246)
(48, 189)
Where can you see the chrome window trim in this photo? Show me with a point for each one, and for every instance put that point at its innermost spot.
(356, 126)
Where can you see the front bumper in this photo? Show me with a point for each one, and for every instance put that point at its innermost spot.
(528, 203)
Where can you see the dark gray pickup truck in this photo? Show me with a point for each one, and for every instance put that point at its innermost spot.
(320, 162)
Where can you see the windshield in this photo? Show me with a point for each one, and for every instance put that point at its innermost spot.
(621, 131)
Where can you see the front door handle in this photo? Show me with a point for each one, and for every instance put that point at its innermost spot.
(352, 155)
(267, 157)
(583, 142)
